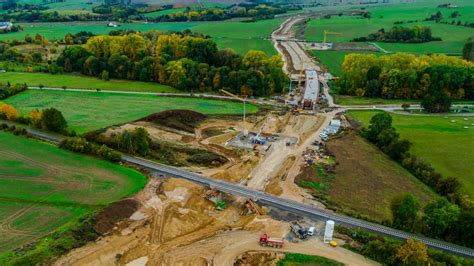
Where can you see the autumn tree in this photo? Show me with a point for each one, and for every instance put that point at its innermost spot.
(412, 253)
(36, 117)
(8, 112)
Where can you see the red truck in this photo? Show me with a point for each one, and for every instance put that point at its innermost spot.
(267, 241)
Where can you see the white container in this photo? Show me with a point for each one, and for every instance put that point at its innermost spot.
(329, 231)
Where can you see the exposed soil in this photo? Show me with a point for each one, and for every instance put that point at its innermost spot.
(185, 120)
(258, 258)
(307, 174)
(107, 218)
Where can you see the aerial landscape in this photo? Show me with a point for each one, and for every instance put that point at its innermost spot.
(246, 132)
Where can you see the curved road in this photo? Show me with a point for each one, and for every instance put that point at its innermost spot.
(270, 200)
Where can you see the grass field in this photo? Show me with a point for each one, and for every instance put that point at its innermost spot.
(292, 259)
(43, 187)
(366, 180)
(447, 146)
(239, 36)
(81, 82)
(86, 111)
(332, 60)
(384, 17)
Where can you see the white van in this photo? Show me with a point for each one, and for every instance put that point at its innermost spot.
(311, 231)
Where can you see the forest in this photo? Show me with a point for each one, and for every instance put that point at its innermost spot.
(185, 61)
(407, 76)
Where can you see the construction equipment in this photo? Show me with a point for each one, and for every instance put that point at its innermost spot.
(244, 100)
(298, 230)
(329, 33)
(221, 205)
(333, 244)
(267, 241)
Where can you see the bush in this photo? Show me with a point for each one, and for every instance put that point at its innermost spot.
(81, 145)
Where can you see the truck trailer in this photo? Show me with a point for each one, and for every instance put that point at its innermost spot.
(267, 241)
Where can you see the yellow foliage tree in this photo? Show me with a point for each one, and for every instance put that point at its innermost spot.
(9, 111)
(36, 116)
(412, 253)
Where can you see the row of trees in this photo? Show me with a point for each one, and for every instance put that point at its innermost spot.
(407, 76)
(417, 34)
(81, 145)
(394, 252)
(10, 90)
(261, 11)
(440, 217)
(185, 61)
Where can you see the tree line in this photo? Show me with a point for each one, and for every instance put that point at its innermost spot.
(436, 79)
(442, 219)
(255, 11)
(186, 61)
(416, 34)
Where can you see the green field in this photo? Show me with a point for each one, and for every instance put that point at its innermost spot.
(332, 60)
(86, 111)
(453, 36)
(292, 259)
(239, 36)
(81, 82)
(159, 13)
(43, 187)
(447, 146)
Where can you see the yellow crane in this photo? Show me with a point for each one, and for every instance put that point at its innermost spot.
(244, 100)
(326, 33)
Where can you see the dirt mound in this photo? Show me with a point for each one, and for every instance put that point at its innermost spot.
(105, 220)
(258, 258)
(185, 120)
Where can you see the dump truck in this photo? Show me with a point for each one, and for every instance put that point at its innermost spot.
(267, 241)
(298, 230)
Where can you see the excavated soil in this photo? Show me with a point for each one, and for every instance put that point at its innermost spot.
(105, 220)
(258, 258)
(185, 120)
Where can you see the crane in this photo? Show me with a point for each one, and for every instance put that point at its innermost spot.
(244, 100)
(330, 33)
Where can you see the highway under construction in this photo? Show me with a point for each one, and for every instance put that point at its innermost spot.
(277, 202)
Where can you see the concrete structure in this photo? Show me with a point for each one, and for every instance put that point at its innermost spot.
(328, 231)
(311, 91)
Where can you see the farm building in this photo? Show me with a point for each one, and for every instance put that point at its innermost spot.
(311, 88)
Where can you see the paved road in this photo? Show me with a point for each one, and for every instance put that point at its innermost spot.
(280, 203)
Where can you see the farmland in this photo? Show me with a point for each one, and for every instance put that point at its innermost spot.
(447, 146)
(453, 37)
(43, 188)
(86, 111)
(332, 60)
(81, 82)
(377, 179)
(227, 34)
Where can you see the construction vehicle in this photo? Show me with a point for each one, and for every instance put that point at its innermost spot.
(333, 244)
(221, 205)
(298, 230)
(326, 33)
(244, 100)
(267, 241)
